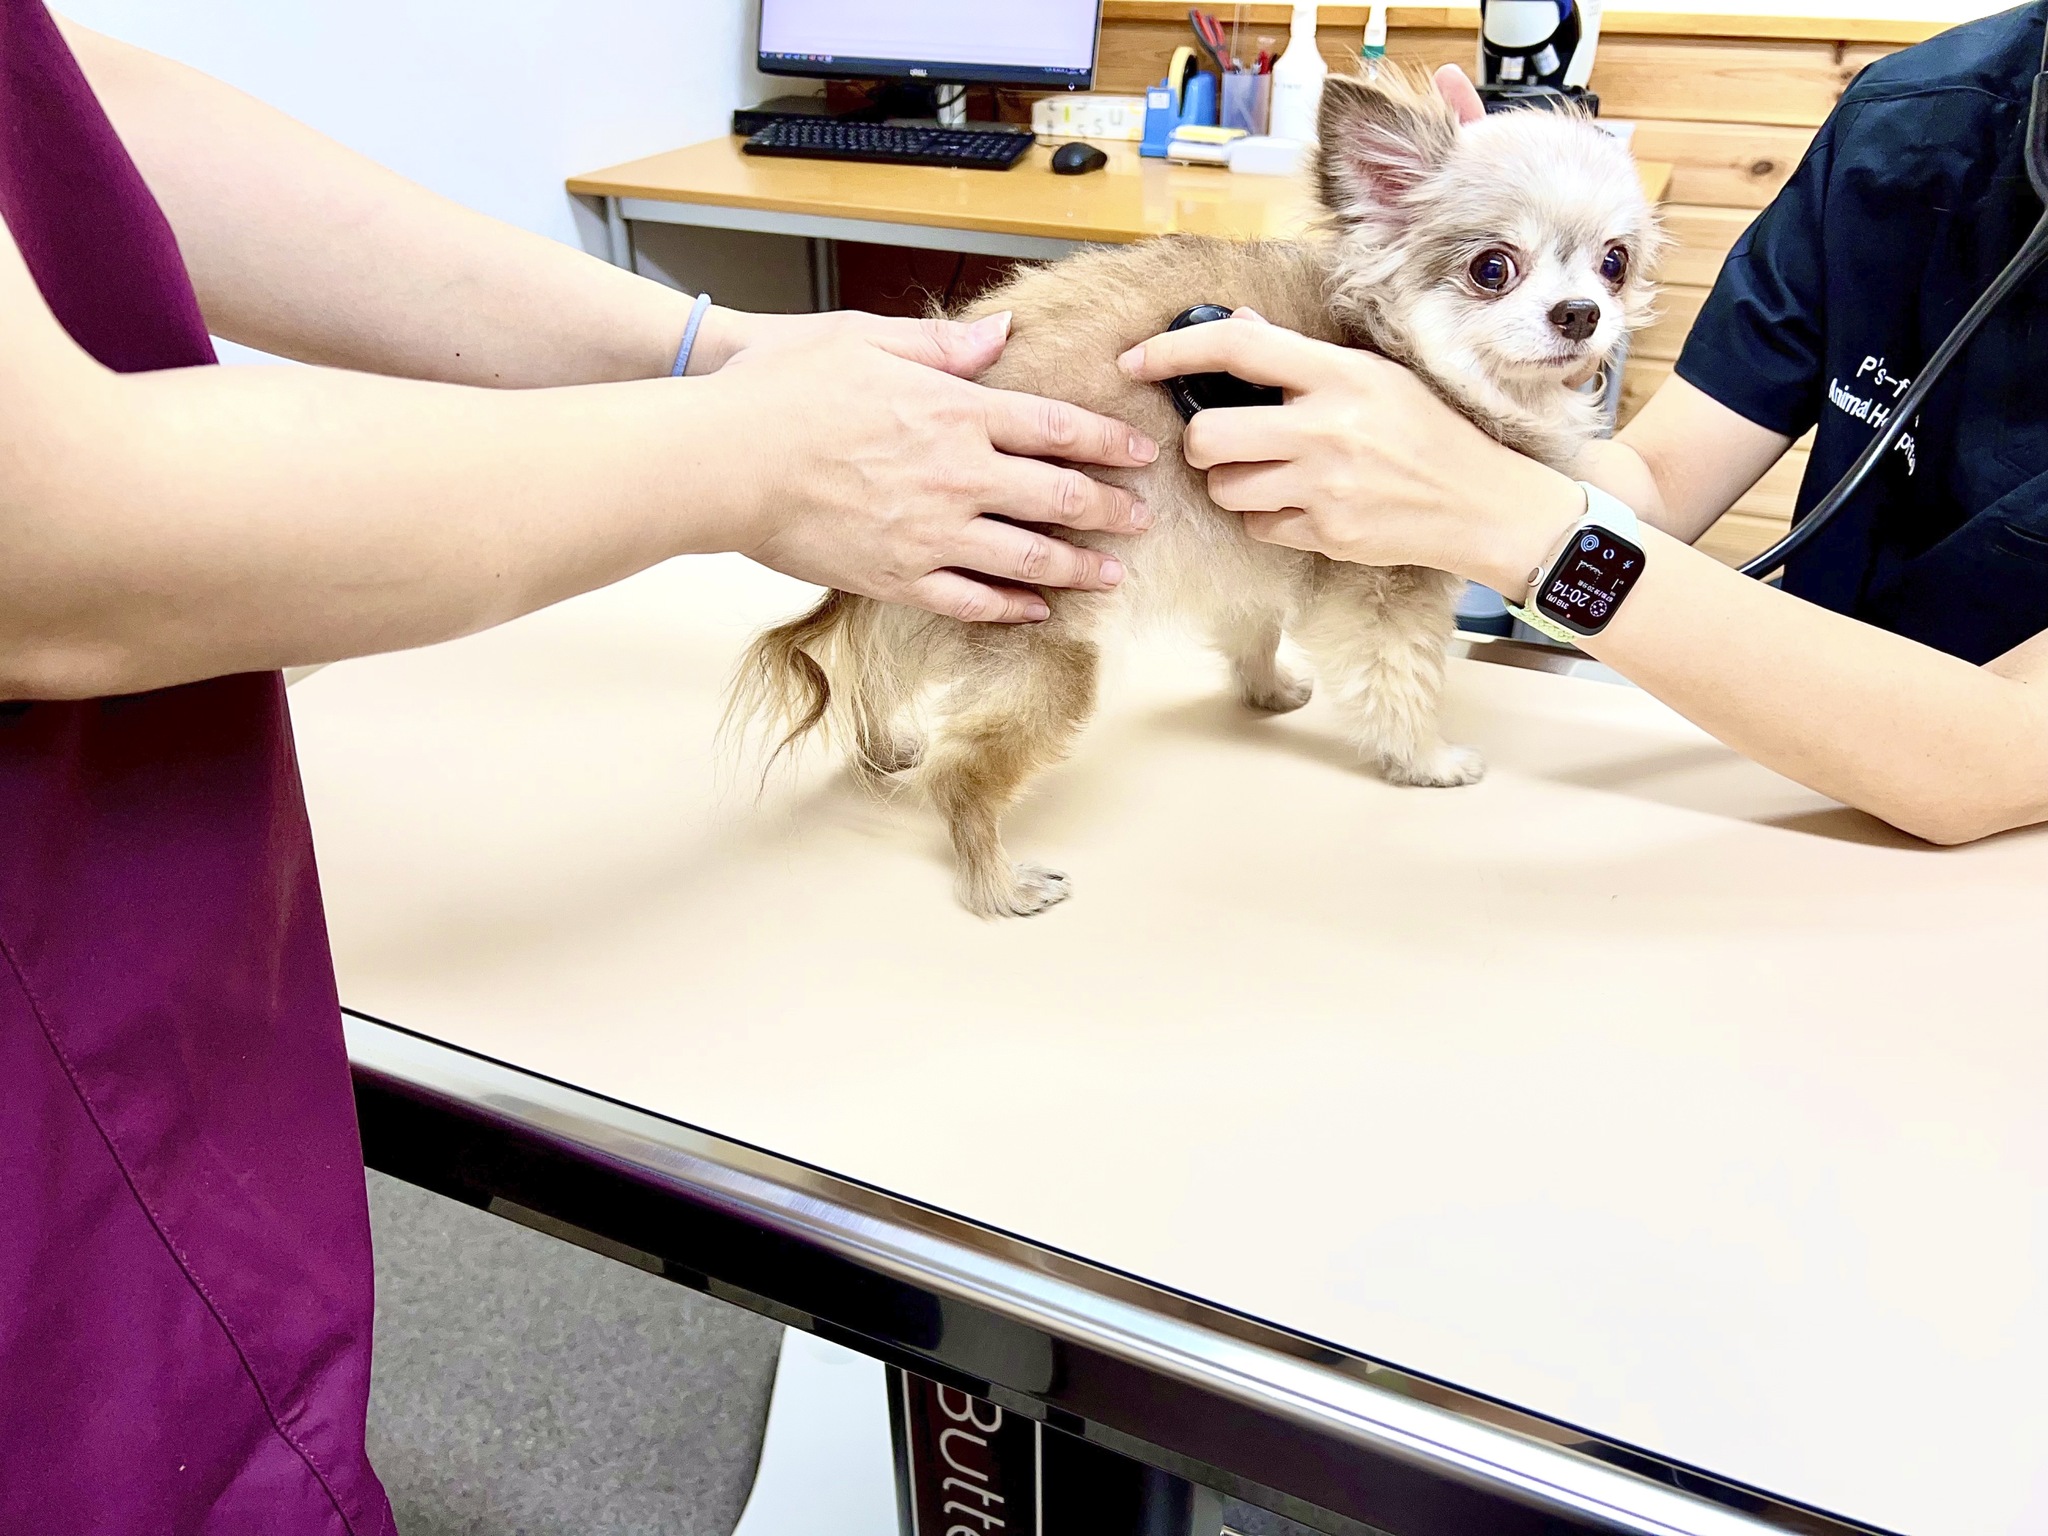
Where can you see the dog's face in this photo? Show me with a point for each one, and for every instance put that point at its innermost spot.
(1518, 248)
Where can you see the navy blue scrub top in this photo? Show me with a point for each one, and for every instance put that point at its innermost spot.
(1912, 198)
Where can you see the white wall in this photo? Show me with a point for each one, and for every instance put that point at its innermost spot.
(490, 102)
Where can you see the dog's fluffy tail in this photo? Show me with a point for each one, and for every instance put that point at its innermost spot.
(830, 669)
(781, 685)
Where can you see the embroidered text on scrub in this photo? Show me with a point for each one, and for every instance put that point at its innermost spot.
(1875, 412)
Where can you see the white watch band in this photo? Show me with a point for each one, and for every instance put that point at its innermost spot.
(1603, 510)
(1610, 511)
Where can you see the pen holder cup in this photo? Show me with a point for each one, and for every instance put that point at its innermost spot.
(1246, 100)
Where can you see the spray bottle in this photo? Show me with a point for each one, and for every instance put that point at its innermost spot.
(1298, 78)
(1373, 55)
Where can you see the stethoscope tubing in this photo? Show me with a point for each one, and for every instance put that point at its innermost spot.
(2033, 253)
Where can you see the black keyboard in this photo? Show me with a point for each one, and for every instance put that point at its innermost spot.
(973, 149)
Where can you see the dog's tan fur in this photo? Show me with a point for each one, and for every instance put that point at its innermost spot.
(973, 713)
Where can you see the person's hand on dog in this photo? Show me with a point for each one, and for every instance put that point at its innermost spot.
(1363, 463)
(882, 474)
(952, 346)
(1456, 87)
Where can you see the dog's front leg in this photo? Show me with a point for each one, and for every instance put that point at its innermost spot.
(1251, 644)
(1377, 638)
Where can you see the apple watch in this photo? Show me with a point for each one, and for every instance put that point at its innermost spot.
(1577, 593)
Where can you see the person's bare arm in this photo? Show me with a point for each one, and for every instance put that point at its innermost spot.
(1363, 463)
(1684, 460)
(1939, 748)
(307, 250)
(161, 527)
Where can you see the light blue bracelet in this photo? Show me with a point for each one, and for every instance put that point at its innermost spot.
(690, 335)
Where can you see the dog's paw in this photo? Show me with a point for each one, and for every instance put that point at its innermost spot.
(1444, 767)
(1278, 695)
(1035, 888)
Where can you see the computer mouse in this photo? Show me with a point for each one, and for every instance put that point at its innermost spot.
(1077, 159)
(1194, 392)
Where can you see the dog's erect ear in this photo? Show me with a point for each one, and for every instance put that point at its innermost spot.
(1379, 140)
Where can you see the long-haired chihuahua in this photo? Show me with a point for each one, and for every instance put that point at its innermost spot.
(1504, 261)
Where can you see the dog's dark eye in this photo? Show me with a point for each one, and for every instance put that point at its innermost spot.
(1494, 271)
(1614, 265)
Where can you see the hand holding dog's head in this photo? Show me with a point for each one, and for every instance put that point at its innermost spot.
(1456, 88)
(1515, 247)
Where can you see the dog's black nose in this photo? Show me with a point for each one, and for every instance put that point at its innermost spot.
(1576, 319)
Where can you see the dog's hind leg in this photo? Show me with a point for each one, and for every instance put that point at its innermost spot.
(1013, 716)
(1377, 637)
(886, 741)
(1250, 642)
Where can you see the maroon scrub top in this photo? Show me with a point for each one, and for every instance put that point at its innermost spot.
(184, 1240)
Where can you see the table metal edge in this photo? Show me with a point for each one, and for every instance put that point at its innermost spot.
(1040, 1331)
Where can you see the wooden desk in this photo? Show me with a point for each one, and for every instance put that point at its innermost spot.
(1634, 1086)
(1025, 212)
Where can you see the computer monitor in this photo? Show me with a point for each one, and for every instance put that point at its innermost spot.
(1040, 44)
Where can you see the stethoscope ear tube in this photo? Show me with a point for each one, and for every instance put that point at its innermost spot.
(2037, 132)
(2023, 266)
(2032, 255)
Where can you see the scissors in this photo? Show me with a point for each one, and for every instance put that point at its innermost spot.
(1209, 33)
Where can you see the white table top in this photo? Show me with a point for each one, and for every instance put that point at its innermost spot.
(1635, 1086)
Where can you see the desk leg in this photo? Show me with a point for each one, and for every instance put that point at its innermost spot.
(824, 275)
(964, 1467)
(621, 235)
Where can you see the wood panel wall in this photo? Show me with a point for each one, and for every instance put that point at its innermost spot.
(1732, 115)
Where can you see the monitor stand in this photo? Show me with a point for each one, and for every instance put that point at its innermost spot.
(912, 101)
(919, 101)
(751, 120)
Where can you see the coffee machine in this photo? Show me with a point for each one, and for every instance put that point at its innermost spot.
(1537, 52)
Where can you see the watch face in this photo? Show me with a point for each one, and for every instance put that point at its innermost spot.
(1589, 580)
